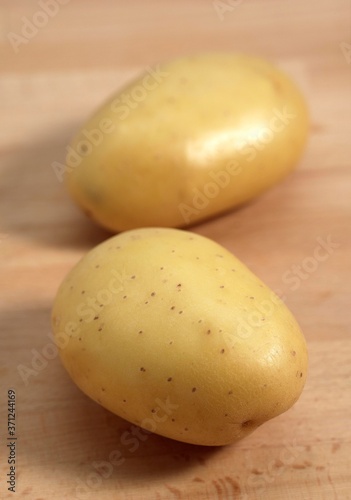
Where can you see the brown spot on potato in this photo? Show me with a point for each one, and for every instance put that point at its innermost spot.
(132, 277)
(247, 423)
(293, 353)
(96, 317)
(153, 294)
(222, 351)
(193, 389)
(180, 312)
(142, 369)
(169, 379)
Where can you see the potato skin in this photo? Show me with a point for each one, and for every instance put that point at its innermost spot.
(214, 132)
(170, 331)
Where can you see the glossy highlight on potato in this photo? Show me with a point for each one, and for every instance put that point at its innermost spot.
(170, 331)
(186, 141)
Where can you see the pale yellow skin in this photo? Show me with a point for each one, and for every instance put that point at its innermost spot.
(209, 114)
(186, 323)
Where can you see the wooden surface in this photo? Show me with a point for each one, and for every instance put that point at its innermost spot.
(53, 82)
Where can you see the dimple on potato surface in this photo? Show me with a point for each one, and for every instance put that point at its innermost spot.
(187, 141)
(170, 331)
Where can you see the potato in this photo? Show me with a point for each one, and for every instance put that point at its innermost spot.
(170, 331)
(187, 141)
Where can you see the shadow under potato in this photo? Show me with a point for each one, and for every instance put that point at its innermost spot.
(35, 204)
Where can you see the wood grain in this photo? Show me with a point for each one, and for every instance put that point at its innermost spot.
(83, 54)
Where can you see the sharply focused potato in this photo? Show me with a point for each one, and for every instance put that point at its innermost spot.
(170, 331)
(187, 141)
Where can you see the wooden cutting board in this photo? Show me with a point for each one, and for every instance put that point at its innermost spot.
(51, 78)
